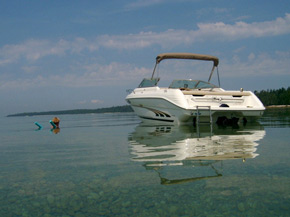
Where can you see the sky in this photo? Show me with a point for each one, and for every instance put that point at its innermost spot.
(82, 54)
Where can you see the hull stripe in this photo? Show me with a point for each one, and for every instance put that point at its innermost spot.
(156, 119)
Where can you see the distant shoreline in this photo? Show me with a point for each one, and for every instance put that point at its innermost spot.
(114, 109)
(278, 106)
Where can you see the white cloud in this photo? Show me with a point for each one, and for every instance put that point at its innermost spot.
(30, 69)
(143, 3)
(206, 31)
(33, 50)
(241, 30)
(209, 11)
(93, 75)
(112, 73)
(93, 101)
(257, 65)
(251, 57)
(96, 101)
(115, 74)
(82, 102)
(147, 3)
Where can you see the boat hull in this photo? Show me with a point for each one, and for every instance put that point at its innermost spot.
(160, 109)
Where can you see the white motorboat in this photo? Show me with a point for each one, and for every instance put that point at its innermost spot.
(192, 101)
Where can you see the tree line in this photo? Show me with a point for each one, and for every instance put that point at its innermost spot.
(274, 97)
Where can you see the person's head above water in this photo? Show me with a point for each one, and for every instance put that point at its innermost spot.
(56, 121)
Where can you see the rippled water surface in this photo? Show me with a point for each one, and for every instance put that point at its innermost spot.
(111, 165)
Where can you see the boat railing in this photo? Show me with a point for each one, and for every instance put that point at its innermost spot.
(220, 93)
(217, 99)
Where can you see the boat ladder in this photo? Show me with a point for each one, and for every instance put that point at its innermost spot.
(207, 108)
(198, 114)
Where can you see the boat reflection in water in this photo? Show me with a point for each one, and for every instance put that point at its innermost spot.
(188, 151)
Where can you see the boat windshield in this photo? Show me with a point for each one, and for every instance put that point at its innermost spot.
(191, 84)
(148, 82)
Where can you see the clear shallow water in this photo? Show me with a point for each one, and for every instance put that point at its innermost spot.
(111, 165)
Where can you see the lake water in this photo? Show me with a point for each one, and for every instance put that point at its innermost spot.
(111, 165)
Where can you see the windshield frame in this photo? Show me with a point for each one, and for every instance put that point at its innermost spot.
(191, 84)
(149, 82)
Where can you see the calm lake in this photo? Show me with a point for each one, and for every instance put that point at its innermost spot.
(111, 165)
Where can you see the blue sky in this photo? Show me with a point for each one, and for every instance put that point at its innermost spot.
(63, 54)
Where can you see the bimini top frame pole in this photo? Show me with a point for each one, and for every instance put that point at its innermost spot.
(192, 56)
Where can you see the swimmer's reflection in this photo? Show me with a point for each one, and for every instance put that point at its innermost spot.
(55, 130)
(164, 147)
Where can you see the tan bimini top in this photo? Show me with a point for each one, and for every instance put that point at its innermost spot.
(193, 56)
